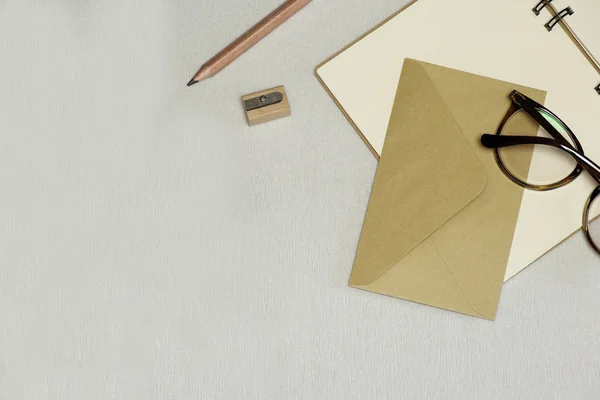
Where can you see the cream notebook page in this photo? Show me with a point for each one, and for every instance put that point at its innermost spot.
(502, 40)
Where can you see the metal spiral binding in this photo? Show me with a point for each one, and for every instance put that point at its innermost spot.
(540, 6)
(559, 17)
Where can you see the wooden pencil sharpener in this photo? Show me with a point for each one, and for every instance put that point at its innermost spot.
(266, 105)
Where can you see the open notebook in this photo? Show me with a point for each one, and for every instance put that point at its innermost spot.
(500, 39)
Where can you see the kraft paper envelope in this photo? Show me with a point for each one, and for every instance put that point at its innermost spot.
(441, 217)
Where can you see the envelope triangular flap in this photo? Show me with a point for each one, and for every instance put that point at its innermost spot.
(426, 175)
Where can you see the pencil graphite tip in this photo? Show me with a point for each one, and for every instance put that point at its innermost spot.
(192, 82)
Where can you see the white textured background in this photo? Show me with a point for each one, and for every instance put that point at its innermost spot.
(152, 246)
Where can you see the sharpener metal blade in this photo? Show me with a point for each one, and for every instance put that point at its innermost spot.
(263, 101)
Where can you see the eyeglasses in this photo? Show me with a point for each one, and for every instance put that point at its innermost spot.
(556, 143)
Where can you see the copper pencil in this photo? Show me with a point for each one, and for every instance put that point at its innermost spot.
(248, 39)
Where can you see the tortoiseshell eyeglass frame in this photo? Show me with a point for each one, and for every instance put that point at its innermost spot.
(520, 102)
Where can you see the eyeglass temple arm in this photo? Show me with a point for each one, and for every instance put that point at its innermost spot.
(499, 141)
(531, 107)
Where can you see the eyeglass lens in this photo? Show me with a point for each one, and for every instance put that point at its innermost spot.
(536, 164)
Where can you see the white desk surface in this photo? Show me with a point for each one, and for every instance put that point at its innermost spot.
(152, 246)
